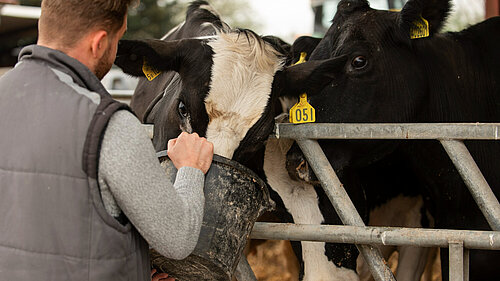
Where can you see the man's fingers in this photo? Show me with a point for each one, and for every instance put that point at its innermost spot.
(171, 143)
(206, 156)
(191, 150)
(161, 277)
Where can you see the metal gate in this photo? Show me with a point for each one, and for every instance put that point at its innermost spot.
(354, 231)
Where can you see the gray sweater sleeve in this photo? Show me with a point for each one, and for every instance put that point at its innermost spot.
(167, 215)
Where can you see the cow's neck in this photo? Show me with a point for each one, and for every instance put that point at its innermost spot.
(459, 82)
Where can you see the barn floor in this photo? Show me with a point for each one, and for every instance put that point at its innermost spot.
(274, 260)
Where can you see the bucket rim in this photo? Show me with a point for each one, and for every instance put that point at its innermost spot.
(268, 204)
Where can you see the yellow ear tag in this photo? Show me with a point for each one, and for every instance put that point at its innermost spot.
(149, 71)
(302, 112)
(302, 58)
(419, 29)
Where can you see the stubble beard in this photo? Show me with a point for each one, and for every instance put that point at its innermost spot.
(104, 64)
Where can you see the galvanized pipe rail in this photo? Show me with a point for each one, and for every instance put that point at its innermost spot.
(445, 131)
(450, 135)
(377, 235)
(458, 241)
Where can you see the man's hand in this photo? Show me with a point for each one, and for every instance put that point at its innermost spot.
(160, 276)
(189, 150)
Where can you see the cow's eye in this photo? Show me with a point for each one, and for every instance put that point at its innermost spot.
(359, 62)
(182, 110)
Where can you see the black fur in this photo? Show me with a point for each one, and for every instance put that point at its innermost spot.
(451, 77)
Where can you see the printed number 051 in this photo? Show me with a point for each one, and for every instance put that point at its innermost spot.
(302, 114)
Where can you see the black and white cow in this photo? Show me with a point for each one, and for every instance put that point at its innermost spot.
(223, 84)
(385, 76)
(218, 82)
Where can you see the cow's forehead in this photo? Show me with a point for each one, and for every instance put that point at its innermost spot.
(242, 75)
(372, 25)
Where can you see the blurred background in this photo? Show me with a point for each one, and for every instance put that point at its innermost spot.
(287, 19)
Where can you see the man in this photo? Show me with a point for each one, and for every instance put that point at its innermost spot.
(81, 188)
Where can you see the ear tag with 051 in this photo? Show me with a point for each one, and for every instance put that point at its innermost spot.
(302, 112)
(149, 71)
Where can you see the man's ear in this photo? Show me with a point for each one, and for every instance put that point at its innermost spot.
(309, 77)
(160, 55)
(433, 11)
(99, 44)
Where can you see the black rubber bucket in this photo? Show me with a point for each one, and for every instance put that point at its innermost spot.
(234, 198)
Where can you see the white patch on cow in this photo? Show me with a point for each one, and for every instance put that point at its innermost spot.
(411, 263)
(205, 37)
(208, 24)
(301, 201)
(400, 211)
(287, 103)
(186, 126)
(242, 74)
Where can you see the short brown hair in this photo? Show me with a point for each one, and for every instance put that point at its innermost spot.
(67, 21)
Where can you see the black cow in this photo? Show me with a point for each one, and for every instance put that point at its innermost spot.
(393, 202)
(386, 76)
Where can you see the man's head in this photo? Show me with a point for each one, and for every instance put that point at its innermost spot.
(87, 30)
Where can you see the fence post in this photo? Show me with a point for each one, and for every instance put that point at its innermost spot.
(457, 261)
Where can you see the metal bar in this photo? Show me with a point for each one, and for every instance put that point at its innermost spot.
(456, 255)
(243, 271)
(475, 181)
(472, 131)
(149, 129)
(393, 236)
(466, 264)
(343, 205)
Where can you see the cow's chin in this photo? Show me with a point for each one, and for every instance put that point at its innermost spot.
(225, 146)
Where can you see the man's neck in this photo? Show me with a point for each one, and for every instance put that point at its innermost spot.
(78, 52)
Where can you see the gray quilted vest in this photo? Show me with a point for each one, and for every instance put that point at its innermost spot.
(53, 225)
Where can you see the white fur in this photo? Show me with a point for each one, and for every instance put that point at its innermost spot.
(403, 212)
(287, 103)
(301, 201)
(242, 76)
(186, 127)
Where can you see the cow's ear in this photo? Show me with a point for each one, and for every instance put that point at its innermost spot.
(157, 55)
(309, 77)
(303, 44)
(433, 11)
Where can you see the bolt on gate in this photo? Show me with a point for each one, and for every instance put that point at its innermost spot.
(451, 136)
